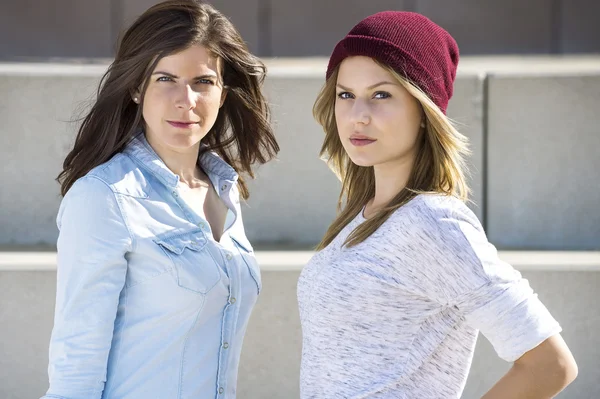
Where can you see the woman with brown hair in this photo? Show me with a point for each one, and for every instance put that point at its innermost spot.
(156, 279)
(404, 278)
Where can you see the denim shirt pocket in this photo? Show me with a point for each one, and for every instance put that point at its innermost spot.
(194, 267)
(245, 249)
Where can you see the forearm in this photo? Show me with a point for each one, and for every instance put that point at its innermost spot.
(522, 382)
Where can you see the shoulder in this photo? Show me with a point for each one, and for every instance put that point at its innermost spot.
(89, 198)
(90, 212)
(434, 214)
(435, 226)
(96, 192)
(87, 188)
(446, 240)
(122, 175)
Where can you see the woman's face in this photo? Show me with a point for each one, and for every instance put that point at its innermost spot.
(378, 121)
(183, 98)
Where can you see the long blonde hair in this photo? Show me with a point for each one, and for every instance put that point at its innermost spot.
(439, 166)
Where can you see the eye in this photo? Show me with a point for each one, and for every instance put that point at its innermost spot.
(345, 95)
(205, 81)
(380, 95)
(164, 79)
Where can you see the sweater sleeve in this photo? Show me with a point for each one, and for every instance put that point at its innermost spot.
(460, 268)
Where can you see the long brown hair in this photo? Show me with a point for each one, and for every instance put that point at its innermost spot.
(242, 134)
(438, 168)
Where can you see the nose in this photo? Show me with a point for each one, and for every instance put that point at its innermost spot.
(187, 98)
(360, 113)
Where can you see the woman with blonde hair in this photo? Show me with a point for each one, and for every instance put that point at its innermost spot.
(404, 278)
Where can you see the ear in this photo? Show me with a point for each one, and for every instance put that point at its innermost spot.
(135, 96)
(223, 96)
(423, 118)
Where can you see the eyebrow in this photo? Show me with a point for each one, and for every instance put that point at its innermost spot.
(370, 87)
(209, 75)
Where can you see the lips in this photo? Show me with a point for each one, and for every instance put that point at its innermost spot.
(182, 124)
(360, 140)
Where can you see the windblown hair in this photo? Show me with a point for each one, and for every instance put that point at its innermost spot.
(439, 166)
(242, 134)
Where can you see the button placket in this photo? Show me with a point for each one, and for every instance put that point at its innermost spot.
(230, 314)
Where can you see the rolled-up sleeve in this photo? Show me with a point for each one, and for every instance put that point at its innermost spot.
(510, 316)
(92, 246)
(504, 308)
(491, 295)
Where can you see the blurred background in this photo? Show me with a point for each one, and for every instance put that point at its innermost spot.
(527, 95)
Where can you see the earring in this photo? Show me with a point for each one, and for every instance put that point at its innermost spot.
(136, 100)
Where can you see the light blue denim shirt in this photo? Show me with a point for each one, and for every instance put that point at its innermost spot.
(148, 304)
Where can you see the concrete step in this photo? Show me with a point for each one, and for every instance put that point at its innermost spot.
(275, 260)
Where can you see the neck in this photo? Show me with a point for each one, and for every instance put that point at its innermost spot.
(390, 179)
(183, 163)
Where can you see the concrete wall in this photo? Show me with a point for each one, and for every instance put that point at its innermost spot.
(292, 201)
(36, 135)
(543, 161)
(533, 125)
(90, 28)
(272, 347)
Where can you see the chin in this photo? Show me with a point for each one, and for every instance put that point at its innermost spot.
(362, 161)
(185, 140)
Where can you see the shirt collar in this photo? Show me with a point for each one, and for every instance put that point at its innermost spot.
(213, 165)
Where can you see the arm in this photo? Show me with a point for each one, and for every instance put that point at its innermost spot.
(91, 271)
(495, 299)
(540, 373)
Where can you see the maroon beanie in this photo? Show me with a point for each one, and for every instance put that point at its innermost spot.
(411, 44)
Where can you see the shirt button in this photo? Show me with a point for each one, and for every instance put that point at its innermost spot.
(202, 225)
(228, 256)
(175, 194)
(224, 187)
(225, 345)
(221, 390)
(232, 300)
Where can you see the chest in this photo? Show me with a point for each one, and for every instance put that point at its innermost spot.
(206, 203)
(360, 287)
